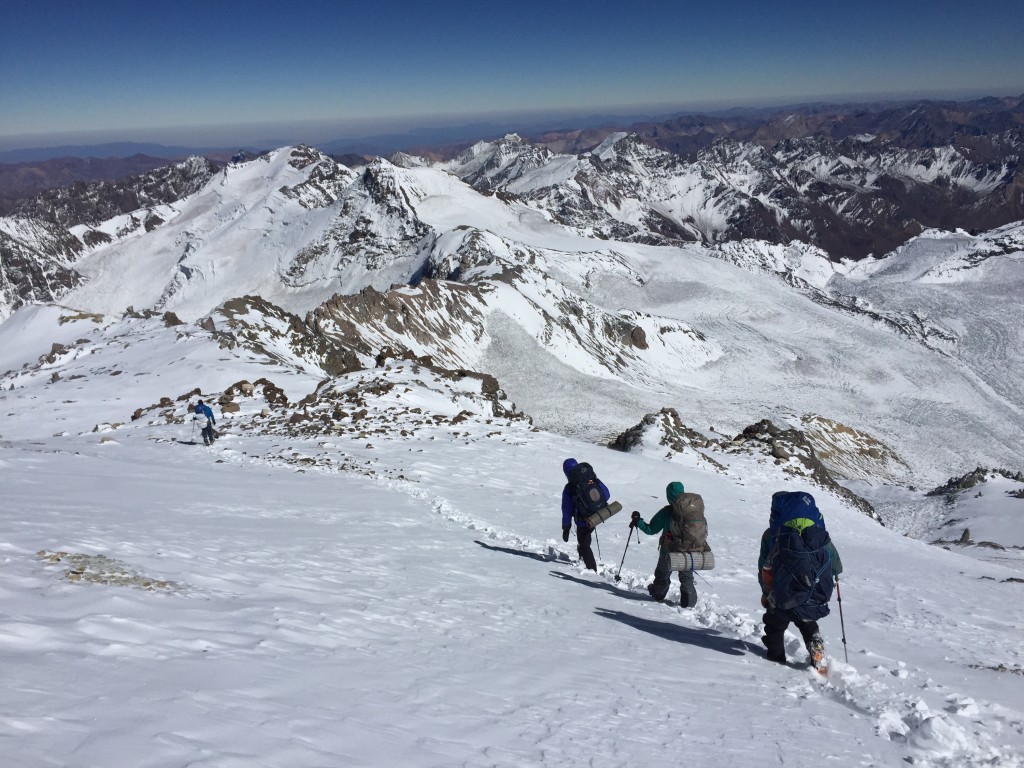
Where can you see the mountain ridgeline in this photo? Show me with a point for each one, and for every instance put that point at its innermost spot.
(855, 294)
(852, 180)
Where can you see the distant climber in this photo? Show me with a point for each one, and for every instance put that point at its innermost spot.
(582, 495)
(797, 567)
(684, 529)
(204, 415)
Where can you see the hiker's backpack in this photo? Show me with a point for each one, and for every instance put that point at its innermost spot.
(789, 506)
(586, 490)
(688, 531)
(801, 562)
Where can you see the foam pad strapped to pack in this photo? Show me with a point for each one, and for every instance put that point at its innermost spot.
(603, 514)
(691, 561)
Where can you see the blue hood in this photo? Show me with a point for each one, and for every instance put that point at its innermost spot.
(790, 507)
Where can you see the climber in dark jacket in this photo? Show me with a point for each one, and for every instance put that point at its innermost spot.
(804, 618)
(572, 509)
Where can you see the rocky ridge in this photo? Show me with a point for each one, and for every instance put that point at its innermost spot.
(794, 451)
(851, 197)
(36, 263)
(93, 203)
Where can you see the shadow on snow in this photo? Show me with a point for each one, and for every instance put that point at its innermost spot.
(617, 591)
(544, 558)
(702, 638)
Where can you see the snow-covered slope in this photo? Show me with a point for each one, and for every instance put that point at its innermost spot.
(365, 569)
(969, 285)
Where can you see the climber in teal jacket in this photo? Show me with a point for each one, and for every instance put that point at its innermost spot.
(661, 523)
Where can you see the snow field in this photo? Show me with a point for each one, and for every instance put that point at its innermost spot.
(438, 619)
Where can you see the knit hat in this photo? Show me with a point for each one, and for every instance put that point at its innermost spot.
(568, 464)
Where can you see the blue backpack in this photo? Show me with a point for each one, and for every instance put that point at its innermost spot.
(801, 562)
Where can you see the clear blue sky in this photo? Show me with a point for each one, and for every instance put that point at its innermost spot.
(133, 70)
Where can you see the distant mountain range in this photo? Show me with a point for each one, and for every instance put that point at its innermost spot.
(852, 198)
(861, 220)
(974, 126)
(852, 180)
(979, 127)
(705, 282)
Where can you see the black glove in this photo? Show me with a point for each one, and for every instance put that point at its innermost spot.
(634, 519)
(565, 533)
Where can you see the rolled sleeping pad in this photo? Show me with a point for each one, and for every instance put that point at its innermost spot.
(691, 561)
(604, 513)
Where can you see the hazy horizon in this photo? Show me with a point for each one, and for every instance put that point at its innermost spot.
(273, 134)
(226, 73)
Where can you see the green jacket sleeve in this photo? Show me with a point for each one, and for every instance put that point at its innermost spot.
(837, 563)
(762, 558)
(658, 523)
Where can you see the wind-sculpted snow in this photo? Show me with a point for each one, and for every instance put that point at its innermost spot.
(377, 555)
(100, 569)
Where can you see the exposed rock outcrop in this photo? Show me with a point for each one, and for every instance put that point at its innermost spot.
(790, 449)
(969, 480)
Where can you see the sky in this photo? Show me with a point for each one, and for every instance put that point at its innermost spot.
(312, 69)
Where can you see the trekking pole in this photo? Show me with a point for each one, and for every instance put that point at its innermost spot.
(192, 439)
(598, 542)
(839, 599)
(628, 539)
